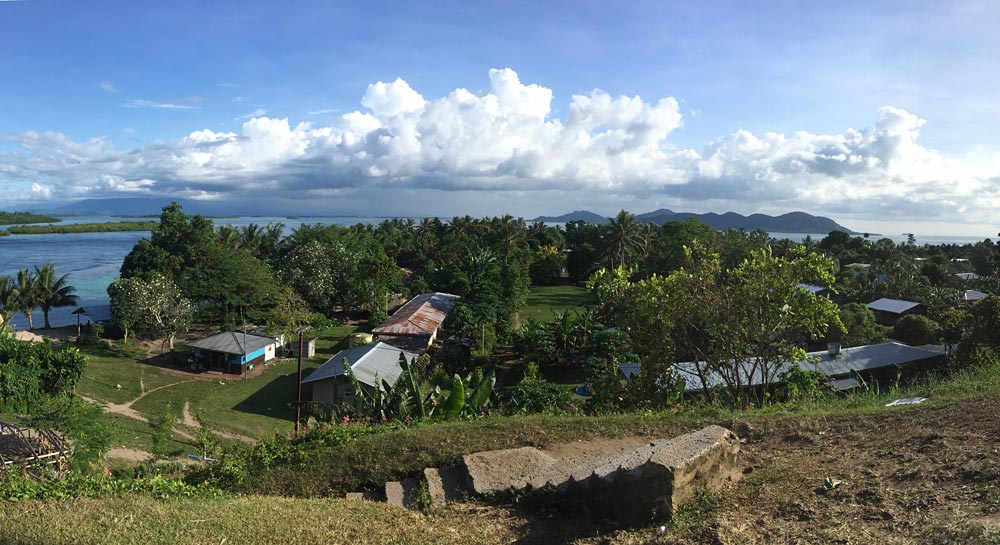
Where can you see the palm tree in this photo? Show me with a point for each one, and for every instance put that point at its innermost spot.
(509, 233)
(624, 237)
(7, 304)
(25, 295)
(229, 236)
(51, 291)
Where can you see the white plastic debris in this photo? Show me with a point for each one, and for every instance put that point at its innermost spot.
(907, 401)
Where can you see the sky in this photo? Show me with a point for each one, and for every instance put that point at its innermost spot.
(880, 115)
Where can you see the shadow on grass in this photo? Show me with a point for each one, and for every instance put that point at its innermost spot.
(561, 300)
(273, 398)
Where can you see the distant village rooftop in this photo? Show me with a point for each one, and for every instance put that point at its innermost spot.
(842, 365)
(893, 306)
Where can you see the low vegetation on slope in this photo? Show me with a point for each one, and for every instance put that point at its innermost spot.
(918, 474)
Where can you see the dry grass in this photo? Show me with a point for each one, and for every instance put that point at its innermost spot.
(139, 520)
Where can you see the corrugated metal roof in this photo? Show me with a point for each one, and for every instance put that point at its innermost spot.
(366, 361)
(233, 342)
(812, 288)
(894, 306)
(421, 315)
(973, 295)
(849, 361)
(630, 370)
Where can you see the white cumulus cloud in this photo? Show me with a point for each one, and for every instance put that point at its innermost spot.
(507, 142)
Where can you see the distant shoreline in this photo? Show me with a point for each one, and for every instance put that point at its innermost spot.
(105, 227)
(22, 218)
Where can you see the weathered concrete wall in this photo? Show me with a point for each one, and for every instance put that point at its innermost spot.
(634, 485)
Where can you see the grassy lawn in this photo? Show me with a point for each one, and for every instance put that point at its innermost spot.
(131, 433)
(256, 407)
(108, 368)
(544, 301)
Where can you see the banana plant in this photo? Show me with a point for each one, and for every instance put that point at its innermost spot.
(464, 400)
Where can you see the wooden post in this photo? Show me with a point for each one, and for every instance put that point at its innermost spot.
(298, 386)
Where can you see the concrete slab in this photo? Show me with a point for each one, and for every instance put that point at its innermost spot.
(498, 471)
(403, 493)
(447, 485)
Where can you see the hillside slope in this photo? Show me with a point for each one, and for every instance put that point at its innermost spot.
(919, 474)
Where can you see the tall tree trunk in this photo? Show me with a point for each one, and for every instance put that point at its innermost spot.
(31, 321)
(125, 338)
(45, 313)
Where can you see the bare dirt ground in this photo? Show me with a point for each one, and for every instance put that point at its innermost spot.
(920, 474)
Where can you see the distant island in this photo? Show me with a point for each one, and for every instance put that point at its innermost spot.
(106, 227)
(21, 218)
(792, 222)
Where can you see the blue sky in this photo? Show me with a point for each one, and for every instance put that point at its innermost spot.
(880, 115)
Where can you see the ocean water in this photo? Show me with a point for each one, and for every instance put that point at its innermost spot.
(93, 260)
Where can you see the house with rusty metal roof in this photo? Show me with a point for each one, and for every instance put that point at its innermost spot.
(415, 325)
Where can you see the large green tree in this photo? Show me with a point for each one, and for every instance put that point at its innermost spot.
(155, 307)
(739, 326)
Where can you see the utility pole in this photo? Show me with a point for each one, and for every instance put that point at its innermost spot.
(298, 385)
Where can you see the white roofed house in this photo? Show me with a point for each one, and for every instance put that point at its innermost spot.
(371, 364)
(971, 296)
(846, 368)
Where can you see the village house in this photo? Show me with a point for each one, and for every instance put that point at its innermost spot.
(846, 367)
(415, 325)
(371, 364)
(971, 296)
(889, 311)
(233, 351)
(959, 280)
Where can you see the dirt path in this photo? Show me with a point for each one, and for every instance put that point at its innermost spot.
(129, 454)
(189, 420)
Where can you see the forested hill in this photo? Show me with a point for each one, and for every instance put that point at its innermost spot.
(579, 215)
(792, 222)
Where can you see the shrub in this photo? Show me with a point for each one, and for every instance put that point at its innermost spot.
(535, 395)
(91, 336)
(802, 385)
(916, 330)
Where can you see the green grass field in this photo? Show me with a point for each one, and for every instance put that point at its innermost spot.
(544, 301)
(256, 407)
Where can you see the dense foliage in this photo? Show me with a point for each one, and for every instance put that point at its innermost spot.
(17, 218)
(31, 373)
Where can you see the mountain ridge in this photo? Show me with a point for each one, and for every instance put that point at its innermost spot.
(790, 222)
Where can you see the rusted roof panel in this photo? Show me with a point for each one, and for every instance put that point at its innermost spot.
(421, 315)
